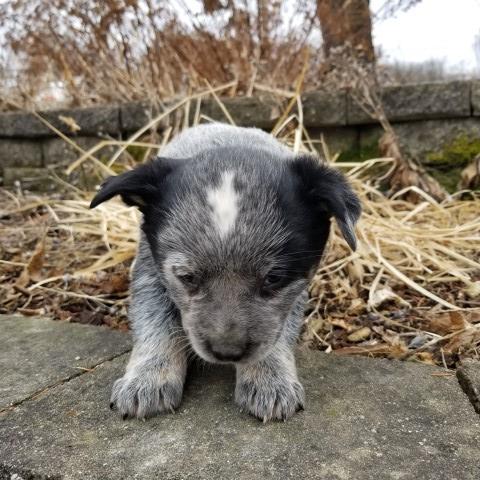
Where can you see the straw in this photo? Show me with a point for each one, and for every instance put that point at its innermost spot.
(423, 259)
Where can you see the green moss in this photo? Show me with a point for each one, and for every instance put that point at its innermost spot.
(366, 152)
(446, 165)
(456, 154)
(448, 178)
(137, 153)
(360, 154)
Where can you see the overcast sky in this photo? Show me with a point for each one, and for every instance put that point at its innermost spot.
(433, 29)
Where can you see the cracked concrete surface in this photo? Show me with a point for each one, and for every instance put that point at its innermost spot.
(364, 419)
(37, 353)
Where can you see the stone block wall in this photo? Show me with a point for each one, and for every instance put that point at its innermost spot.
(427, 117)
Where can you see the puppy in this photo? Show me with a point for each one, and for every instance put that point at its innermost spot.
(234, 225)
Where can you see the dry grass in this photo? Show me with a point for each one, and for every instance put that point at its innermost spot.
(410, 291)
(117, 50)
(62, 53)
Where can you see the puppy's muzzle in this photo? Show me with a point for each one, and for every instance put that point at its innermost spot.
(228, 352)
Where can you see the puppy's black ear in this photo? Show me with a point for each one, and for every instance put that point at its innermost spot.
(137, 187)
(326, 190)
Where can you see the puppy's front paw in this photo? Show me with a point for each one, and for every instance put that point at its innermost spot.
(269, 397)
(144, 392)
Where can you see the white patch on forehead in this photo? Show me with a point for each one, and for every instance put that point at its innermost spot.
(224, 202)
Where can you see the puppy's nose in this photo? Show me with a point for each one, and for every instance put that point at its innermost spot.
(227, 352)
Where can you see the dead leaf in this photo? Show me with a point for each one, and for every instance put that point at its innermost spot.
(314, 325)
(470, 176)
(355, 271)
(116, 283)
(466, 338)
(359, 335)
(338, 322)
(473, 290)
(33, 270)
(425, 357)
(32, 312)
(356, 307)
(447, 322)
(474, 316)
(384, 295)
(315, 290)
(393, 351)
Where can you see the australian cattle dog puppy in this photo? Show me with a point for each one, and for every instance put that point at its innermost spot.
(234, 225)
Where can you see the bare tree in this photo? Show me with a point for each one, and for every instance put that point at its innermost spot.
(346, 22)
(118, 50)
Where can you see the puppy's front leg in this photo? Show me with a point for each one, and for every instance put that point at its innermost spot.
(155, 374)
(154, 378)
(269, 389)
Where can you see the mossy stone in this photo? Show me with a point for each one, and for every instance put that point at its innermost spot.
(446, 165)
(138, 153)
(360, 154)
(456, 154)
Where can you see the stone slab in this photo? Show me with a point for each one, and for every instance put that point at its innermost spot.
(455, 99)
(37, 353)
(476, 98)
(418, 101)
(135, 115)
(469, 377)
(58, 155)
(324, 108)
(20, 153)
(338, 139)
(369, 135)
(418, 138)
(91, 120)
(364, 419)
(260, 112)
(57, 151)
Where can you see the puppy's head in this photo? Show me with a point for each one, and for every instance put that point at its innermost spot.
(236, 235)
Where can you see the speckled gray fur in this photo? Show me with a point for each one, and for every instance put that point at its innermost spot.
(234, 226)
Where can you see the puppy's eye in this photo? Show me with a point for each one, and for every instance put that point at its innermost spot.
(271, 281)
(188, 279)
